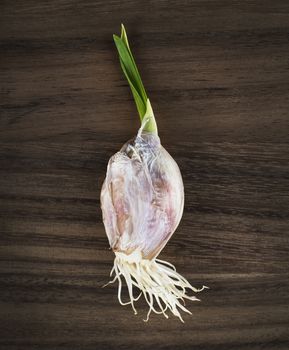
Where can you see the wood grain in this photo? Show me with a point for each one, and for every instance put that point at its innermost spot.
(217, 74)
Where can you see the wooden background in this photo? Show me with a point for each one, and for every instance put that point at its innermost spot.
(217, 73)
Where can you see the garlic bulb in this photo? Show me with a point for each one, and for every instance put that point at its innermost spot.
(142, 201)
(142, 197)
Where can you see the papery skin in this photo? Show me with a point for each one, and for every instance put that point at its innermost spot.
(142, 197)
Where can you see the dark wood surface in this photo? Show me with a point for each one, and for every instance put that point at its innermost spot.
(217, 73)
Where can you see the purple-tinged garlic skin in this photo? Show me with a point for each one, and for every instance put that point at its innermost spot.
(142, 197)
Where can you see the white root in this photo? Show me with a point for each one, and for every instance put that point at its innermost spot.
(159, 282)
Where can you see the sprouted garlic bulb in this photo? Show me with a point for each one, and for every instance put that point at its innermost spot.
(142, 201)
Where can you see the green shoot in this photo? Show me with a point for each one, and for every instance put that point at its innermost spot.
(132, 75)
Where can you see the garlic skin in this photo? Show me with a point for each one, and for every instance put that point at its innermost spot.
(142, 197)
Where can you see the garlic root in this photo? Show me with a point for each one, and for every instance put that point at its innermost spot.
(158, 281)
